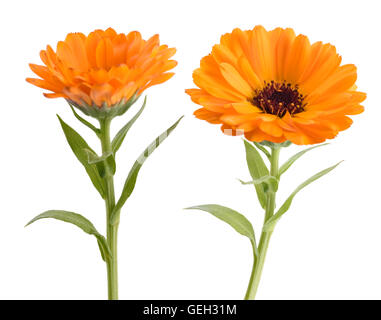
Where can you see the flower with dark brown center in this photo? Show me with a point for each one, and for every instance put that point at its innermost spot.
(279, 98)
(276, 86)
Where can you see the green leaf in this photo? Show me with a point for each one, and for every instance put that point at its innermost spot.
(129, 185)
(295, 157)
(79, 221)
(263, 149)
(79, 147)
(236, 220)
(257, 170)
(272, 182)
(104, 248)
(106, 160)
(230, 216)
(269, 225)
(85, 122)
(119, 137)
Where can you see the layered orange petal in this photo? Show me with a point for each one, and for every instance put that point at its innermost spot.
(103, 68)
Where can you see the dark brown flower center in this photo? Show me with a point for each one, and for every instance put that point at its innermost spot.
(279, 98)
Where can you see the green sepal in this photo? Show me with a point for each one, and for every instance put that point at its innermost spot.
(257, 169)
(295, 157)
(78, 145)
(263, 149)
(275, 145)
(271, 183)
(106, 112)
(79, 221)
(129, 185)
(119, 137)
(84, 121)
(270, 224)
(233, 218)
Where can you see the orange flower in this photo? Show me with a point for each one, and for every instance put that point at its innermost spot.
(104, 69)
(276, 86)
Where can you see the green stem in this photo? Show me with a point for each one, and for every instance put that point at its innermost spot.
(265, 236)
(112, 230)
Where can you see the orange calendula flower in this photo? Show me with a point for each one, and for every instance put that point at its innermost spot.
(104, 69)
(276, 86)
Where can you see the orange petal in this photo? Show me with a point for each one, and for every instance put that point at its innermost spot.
(65, 54)
(101, 94)
(338, 82)
(258, 135)
(326, 63)
(233, 77)
(43, 84)
(247, 72)
(91, 44)
(159, 79)
(211, 117)
(245, 107)
(104, 54)
(297, 59)
(215, 88)
(282, 49)
(271, 128)
(76, 42)
(262, 58)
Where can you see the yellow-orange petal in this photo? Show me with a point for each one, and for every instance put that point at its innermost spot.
(338, 82)
(235, 119)
(245, 107)
(233, 77)
(282, 49)
(248, 73)
(159, 79)
(271, 128)
(104, 54)
(76, 42)
(211, 117)
(78, 96)
(259, 136)
(43, 84)
(262, 57)
(297, 59)
(217, 89)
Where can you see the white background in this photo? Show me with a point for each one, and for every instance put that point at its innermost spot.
(326, 247)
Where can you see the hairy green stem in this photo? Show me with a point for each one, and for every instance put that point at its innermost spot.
(112, 230)
(266, 235)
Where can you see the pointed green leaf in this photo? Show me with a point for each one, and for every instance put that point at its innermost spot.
(104, 248)
(67, 216)
(295, 157)
(79, 221)
(79, 147)
(257, 170)
(93, 159)
(85, 122)
(286, 205)
(129, 185)
(106, 159)
(119, 137)
(236, 220)
(263, 149)
(271, 182)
